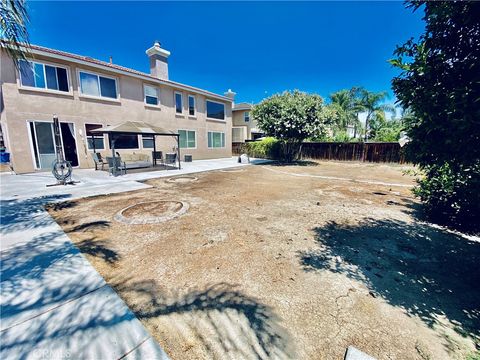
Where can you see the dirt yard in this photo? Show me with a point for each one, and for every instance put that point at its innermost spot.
(285, 262)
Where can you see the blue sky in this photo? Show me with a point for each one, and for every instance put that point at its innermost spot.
(255, 48)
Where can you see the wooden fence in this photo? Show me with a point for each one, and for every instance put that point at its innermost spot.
(369, 152)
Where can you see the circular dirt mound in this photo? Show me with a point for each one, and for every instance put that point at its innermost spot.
(151, 212)
(182, 179)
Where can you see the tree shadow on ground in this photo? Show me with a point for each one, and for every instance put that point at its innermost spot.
(93, 245)
(50, 266)
(241, 323)
(427, 272)
(27, 214)
(99, 249)
(295, 163)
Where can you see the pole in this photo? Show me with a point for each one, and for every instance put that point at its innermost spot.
(113, 156)
(58, 139)
(94, 150)
(154, 155)
(178, 151)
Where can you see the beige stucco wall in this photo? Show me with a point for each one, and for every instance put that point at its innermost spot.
(238, 121)
(21, 106)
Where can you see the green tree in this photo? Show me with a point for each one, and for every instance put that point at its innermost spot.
(346, 104)
(292, 117)
(13, 28)
(373, 104)
(439, 83)
(386, 130)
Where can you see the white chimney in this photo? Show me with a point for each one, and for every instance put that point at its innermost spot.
(158, 61)
(230, 94)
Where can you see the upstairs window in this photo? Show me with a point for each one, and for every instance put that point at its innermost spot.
(246, 116)
(191, 105)
(43, 76)
(96, 85)
(178, 103)
(215, 110)
(151, 95)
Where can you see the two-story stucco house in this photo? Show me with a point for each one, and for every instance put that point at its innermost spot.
(244, 127)
(86, 94)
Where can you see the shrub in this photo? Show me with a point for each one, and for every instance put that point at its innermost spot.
(341, 136)
(268, 148)
(451, 194)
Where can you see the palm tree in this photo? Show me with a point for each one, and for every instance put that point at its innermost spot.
(13, 28)
(372, 104)
(341, 102)
(346, 104)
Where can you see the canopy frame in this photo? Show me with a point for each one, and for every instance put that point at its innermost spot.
(112, 142)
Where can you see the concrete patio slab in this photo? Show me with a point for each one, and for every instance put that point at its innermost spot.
(95, 326)
(53, 302)
(42, 274)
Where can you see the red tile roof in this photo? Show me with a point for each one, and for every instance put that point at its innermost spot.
(118, 67)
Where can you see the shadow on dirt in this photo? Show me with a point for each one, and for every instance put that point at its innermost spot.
(294, 163)
(99, 249)
(92, 245)
(427, 272)
(241, 324)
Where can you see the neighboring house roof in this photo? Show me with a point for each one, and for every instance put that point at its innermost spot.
(242, 106)
(40, 50)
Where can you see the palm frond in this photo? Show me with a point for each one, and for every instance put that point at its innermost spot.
(13, 29)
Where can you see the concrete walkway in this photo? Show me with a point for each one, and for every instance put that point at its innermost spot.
(54, 305)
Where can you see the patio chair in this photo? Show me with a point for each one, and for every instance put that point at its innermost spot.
(157, 155)
(121, 166)
(98, 159)
(170, 159)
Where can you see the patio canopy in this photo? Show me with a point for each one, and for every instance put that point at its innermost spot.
(136, 128)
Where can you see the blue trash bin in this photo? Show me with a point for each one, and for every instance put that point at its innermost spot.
(4, 157)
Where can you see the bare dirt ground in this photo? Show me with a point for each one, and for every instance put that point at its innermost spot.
(287, 262)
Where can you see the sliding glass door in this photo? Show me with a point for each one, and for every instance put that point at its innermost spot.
(43, 143)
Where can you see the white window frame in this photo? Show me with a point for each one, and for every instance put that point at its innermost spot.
(224, 142)
(187, 130)
(86, 136)
(100, 97)
(145, 95)
(194, 105)
(224, 110)
(175, 102)
(45, 89)
(245, 116)
(141, 140)
(33, 145)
